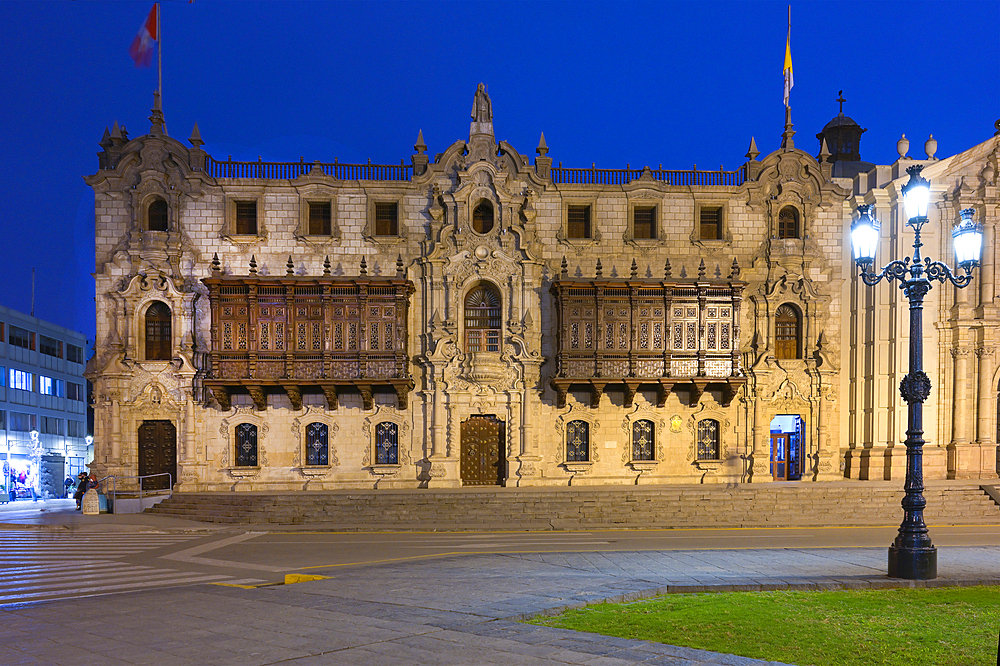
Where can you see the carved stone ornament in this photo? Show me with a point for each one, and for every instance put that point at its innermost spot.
(437, 471)
(527, 469)
(915, 387)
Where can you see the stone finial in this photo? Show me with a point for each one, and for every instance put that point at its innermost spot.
(116, 132)
(787, 143)
(156, 117)
(400, 272)
(216, 264)
(564, 267)
(290, 266)
(824, 152)
(701, 270)
(542, 149)
(600, 269)
(735, 270)
(634, 271)
(752, 151)
(666, 269)
(902, 146)
(420, 146)
(364, 266)
(253, 264)
(930, 147)
(195, 139)
(326, 265)
(106, 139)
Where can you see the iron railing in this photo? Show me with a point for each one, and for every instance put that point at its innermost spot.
(290, 170)
(112, 492)
(593, 176)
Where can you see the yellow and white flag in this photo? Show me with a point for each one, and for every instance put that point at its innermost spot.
(789, 79)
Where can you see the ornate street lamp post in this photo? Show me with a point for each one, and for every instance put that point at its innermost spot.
(912, 555)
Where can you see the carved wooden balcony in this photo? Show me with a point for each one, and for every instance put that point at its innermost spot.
(670, 333)
(295, 334)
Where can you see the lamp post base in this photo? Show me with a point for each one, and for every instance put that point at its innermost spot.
(913, 563)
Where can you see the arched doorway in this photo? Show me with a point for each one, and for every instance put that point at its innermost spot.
(787, 447)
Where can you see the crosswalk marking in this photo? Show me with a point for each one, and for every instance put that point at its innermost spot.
(39, 566)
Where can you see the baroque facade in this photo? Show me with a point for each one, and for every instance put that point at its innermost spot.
(482, 319)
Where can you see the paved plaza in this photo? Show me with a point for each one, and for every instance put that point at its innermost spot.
(451, 609)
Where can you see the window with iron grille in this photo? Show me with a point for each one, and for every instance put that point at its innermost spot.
(387, 443)
(74, 353)
(644, 222)
(386, 218)
(157, 215)
(578, 221)
(317, 447)
(577, 441)
(708, 439)
(710, 223)
(788, 223)
(482, 217)
(482, 319)
(246, 445)
(158, 332)
(643, 440)
(50, 346)
(246, 218)
(787, 332)
(20, 337)
(320, 218)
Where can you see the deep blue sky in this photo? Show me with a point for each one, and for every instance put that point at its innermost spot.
(677, 83)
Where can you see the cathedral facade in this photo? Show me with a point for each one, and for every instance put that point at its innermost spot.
(484, 318)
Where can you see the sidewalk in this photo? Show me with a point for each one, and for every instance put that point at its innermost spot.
(61, 514)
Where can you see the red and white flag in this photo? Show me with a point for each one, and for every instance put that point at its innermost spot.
(143, 44)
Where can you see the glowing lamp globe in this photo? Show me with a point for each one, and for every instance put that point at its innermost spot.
(864, 236)
(916, 193)
(968, 239)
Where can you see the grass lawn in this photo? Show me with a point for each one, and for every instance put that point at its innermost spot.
(953, 626)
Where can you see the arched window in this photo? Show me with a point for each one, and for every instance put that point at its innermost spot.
(577, 441)
(158, 332)
(387, 443)
(317, 446)
(482, 319)
(643, 440)
(787, 332)
(708, 439)
(482, 217)
(788, 222)
(246, 445)
(156, 215)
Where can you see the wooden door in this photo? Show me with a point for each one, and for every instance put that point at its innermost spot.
(482, 443)
(779, 456)
(157, 453)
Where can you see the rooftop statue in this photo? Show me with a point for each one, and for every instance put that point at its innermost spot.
(482, 108)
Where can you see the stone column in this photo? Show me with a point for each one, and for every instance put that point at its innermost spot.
(437, 430)
(986, 287)
(986, 414)
(116, 431)
(188, 453)
(961, 416)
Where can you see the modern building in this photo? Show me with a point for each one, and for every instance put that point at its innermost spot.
(43, 404)
(480, 317)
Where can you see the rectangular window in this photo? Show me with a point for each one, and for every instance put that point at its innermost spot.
(644, 222)
(52, 425)
(578, 222)
(74, 354)
(74, 391)
(710, 223)
(320, 216)
(75, 429)
(20, 337)
(246, 218)
(3, 376)
(19, 379)
(20, 422)
(386, 219)
(3, 420)
(46, 386)
(50, 346)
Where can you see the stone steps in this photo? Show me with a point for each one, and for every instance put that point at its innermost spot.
(798, 505)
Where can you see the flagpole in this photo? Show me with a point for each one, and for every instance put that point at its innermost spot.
(159, 51)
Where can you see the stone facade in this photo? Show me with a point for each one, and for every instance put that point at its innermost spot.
(481, 222)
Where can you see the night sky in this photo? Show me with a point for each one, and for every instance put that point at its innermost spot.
(611, 83)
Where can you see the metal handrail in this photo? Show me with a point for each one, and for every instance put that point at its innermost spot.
(114, 489)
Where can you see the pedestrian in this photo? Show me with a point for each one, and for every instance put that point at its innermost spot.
(67, 486)
(81, 489)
